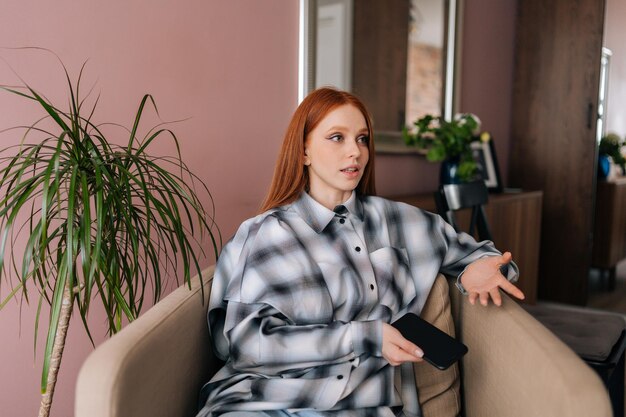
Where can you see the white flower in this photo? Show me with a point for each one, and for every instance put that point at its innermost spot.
(462, 119)
(434, 123)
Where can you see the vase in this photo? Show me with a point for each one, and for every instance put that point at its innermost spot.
(604, 166)
(449, 173)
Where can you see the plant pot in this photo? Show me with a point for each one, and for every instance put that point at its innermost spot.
(449, 171)
(604, 166)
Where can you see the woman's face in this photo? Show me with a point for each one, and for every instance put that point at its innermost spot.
(336, 153)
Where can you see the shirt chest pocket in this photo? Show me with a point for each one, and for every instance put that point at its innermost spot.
(393, 277)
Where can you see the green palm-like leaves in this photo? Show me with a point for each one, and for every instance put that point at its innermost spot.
(107, 222)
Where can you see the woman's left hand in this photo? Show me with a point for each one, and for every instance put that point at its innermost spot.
(482, 279)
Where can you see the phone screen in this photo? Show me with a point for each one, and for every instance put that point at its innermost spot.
(440, 349)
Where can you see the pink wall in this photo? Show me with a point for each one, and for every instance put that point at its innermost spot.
(614, 40)
(229, 66)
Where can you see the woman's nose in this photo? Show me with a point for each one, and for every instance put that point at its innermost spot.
(353, 149)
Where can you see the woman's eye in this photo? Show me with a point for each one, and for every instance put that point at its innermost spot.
(336, 138)
(363, 139)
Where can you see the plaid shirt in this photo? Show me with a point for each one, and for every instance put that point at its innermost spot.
(299, 297)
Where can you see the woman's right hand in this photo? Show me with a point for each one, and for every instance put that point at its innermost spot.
(396, 349)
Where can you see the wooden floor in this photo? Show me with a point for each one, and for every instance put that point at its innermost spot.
(602, 299)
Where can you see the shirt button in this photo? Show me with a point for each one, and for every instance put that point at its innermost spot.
(358, 249)
(342, 221)
(339, 376)
(372, 287)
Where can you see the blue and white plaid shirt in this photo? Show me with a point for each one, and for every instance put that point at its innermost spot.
(299, 297)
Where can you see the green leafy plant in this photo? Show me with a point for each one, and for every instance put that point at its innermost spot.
(611, 146)
(441, 140)
(105, 223)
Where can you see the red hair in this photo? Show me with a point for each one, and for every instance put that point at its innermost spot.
(290, 175)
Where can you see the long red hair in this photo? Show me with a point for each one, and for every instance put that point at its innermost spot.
(290, 174)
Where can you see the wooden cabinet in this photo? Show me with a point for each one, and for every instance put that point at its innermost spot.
(515, 222)
(609, 233)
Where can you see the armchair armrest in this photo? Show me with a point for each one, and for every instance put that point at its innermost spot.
(517, 367)
(156, 365)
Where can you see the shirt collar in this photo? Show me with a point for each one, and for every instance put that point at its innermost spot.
(318, 217)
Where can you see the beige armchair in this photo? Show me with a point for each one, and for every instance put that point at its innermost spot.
(515, 366)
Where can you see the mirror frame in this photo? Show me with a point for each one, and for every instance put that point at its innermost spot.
(387, 142)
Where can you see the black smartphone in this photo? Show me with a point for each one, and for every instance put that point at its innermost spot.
(440, 349)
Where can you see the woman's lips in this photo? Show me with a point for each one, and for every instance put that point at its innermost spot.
(351, 172)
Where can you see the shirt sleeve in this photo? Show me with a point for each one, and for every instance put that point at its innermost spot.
(435, 247)
(263, 340)
(462, 249)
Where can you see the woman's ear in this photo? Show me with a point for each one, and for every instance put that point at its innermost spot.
(307, 159)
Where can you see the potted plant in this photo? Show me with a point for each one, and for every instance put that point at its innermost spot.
(449, 142)
(610, 148)
(104, 222)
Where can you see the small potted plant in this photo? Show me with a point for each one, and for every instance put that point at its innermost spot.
(610, 147)
(448, 142)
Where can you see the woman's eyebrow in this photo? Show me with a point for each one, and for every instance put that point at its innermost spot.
(345, 128)
(338, 127)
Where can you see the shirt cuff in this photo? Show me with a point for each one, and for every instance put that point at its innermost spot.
(367, 337)
(510, 271)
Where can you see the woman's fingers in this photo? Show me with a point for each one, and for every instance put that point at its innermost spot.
(484, 298)
(410, 348)
(472, 297)
(496, 297)
(398, 355)
(511, 289)
(494, 293)
(396, 349)
(506, 258)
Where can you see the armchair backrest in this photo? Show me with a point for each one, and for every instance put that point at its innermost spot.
(156, 365)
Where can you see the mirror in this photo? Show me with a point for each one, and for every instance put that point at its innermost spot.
(399, 56)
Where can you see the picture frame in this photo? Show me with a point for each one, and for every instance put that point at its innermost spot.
(484, 154)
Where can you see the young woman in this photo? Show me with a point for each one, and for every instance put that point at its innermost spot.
(304, 293)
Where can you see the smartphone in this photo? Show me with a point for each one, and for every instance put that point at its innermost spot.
(440, 349)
